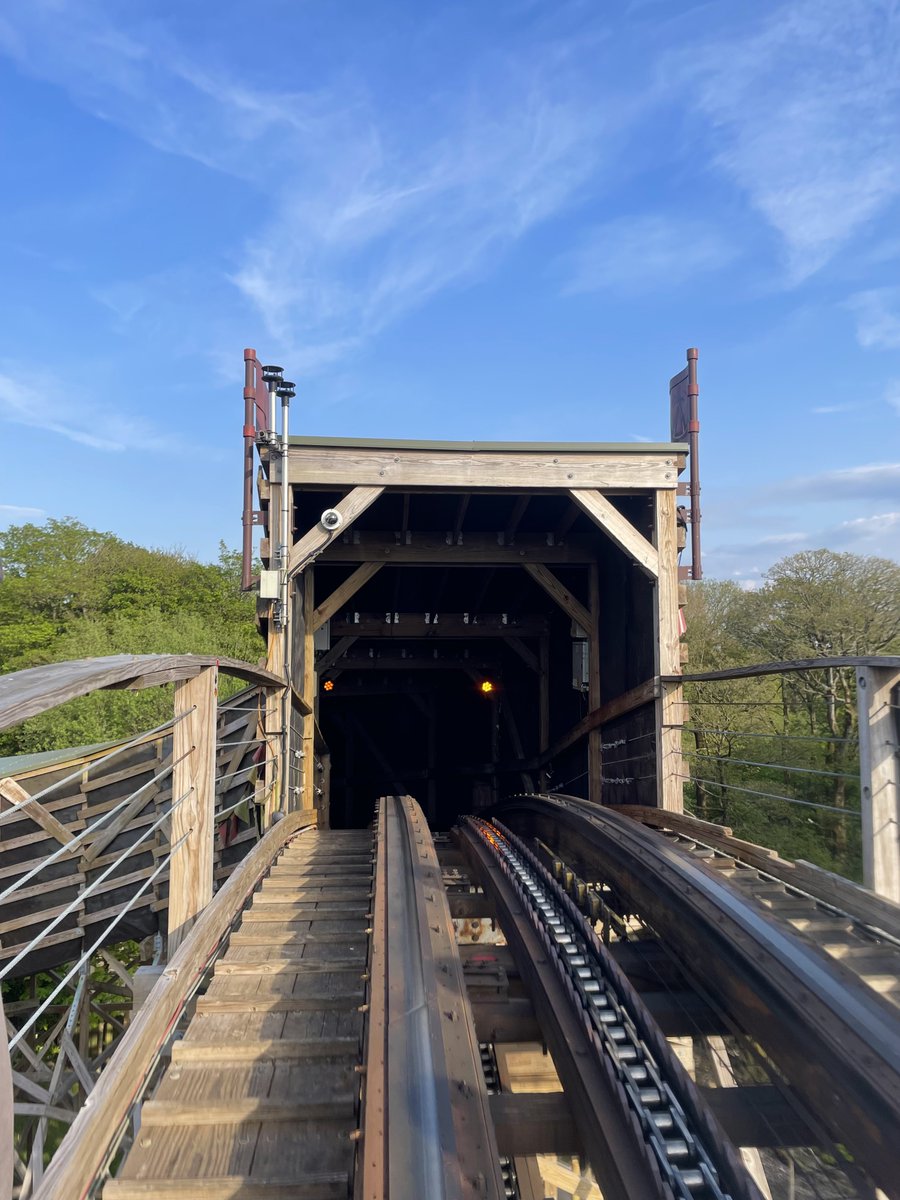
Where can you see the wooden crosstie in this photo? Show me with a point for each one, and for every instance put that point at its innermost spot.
(261, 1095)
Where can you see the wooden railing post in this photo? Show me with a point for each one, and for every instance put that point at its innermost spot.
(6, 1113)
(669, 704)
(879, 771)
(194, 773)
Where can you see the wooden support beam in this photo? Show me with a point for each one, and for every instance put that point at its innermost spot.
(595, 738)
(561, 595)
(754, 1115)
(723, 1071)
(506, 1020)
(570, 516)
(619, 528)
(637, 697)
(543, 707)
(515, 518)
(436, 548)
(528, 656)
(879, 766)
(334, 655)
(434, 626)
(426, 662)
(307, 679)
(18, 805)
(450, 469)
(316, 539)
(667, 654)
(533, 1123)
(515, 739)
(344, 592)
(466, 905)
(193, 753)
(111, 831)
(461, 510)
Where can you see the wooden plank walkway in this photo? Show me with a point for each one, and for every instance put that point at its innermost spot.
(261, 1100)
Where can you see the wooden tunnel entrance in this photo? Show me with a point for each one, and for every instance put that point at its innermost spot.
(469, 620)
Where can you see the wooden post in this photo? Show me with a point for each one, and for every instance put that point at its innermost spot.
(432, 758)
(667, 656)
(194, 755)
(273, 719)
(543, 704)
(308, 691)
(595, 737)
(7, 1152)
(879, 769)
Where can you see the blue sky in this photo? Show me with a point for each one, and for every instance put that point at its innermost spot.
(462, 220)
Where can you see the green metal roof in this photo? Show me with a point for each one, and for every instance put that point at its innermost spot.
(19, 764)
(487, 447)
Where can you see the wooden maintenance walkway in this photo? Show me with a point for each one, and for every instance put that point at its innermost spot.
(262, 1095)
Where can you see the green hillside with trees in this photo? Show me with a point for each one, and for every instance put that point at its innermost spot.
(792, 735)
(71, 592)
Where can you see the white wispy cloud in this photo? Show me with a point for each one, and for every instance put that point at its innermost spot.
(637, 253)
(365, 210)
(41, 401)
(880, 529)
(802, 108)
(877, 318)
(865, 482)
(394, 226)
(878, 534)
(20, 512)
(827, 410)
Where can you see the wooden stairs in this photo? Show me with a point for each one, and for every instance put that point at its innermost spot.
(261, 1099)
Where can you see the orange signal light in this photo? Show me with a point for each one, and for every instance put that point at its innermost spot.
(486, 687)
(328, 685)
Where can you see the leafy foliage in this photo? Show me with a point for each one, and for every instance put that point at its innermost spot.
(793, 735)
(71, 592)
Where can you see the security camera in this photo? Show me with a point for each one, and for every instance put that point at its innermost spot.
(331, 519)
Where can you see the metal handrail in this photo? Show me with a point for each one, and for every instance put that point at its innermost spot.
(89, 829)
(85, 770)
(88, 954)
(92, 887)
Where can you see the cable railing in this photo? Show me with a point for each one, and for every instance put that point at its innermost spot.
(110, 858)
(801, 757)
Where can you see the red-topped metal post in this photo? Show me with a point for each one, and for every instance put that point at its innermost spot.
(694, 442)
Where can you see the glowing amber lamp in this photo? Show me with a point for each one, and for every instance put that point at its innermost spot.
(486, 686)
(328, 685)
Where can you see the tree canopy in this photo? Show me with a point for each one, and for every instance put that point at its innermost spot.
(749, 741)
(71, 592)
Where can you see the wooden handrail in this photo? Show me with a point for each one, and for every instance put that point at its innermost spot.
(83, 1151)
(782, 668)
(25, 694)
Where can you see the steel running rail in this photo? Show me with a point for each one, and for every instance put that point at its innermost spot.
(830, 1034)
(676, 1149)
(427, 1129)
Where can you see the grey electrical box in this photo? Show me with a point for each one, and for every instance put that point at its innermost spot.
(269, 585)
(322, 638)
(581, 664)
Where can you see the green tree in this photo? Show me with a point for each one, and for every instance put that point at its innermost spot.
(70, 592)
(747, 736)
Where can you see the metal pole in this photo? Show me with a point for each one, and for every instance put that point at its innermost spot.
(694, 442)
(249, 438)
(285, 392)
